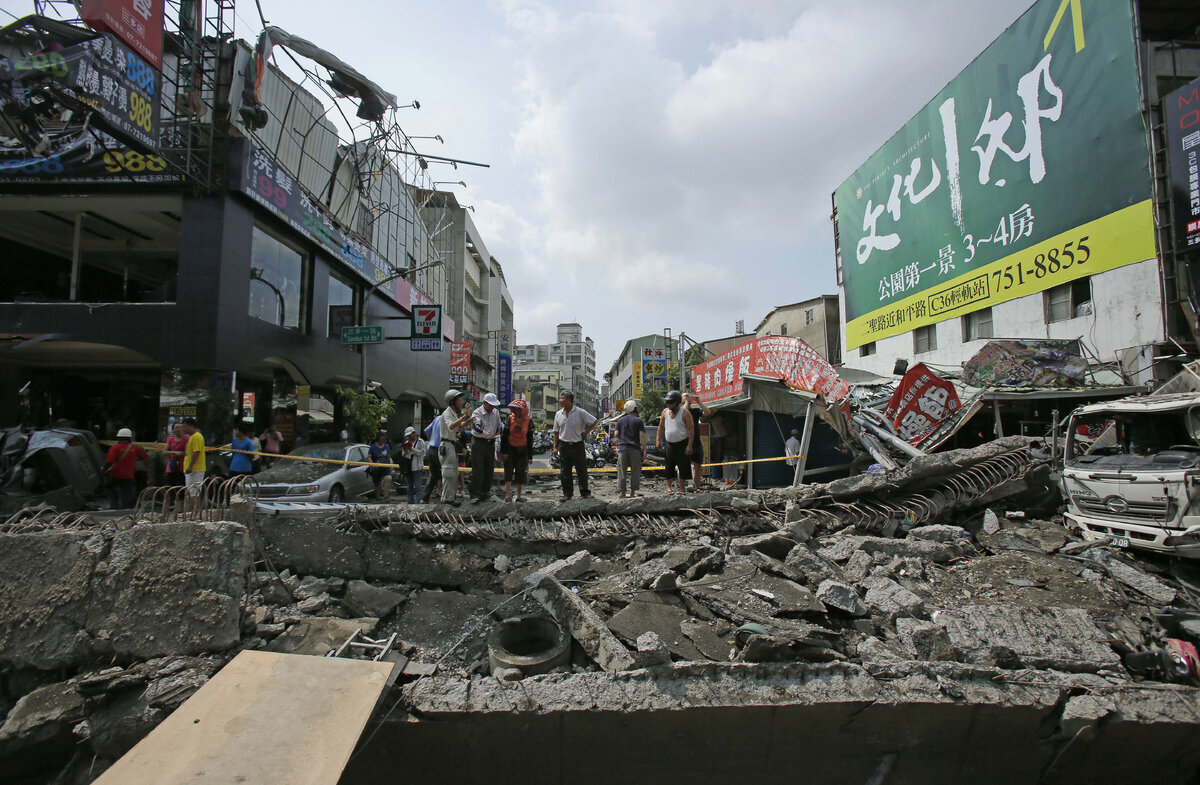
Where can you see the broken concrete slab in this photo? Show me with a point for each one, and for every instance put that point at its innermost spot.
(928, 640)
(772, 544)
(650, 612)
(652, 650)
(587, 628)
(841, 597)
(1142, 582)
(939, 532)
(319, 634)
(815, 567)
(570, 568)
(890, 599)
(1064, 639)
(67, 596)
(742, 581)
(40, 725)
(436, 620)
(363, 599)
(842, 547)
(708, 641)
(680, 557)
(858, 566)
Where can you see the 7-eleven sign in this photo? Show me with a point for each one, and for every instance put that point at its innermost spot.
(427, 321)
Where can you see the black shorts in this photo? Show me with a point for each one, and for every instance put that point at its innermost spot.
(678, 462)
(516, 468)
(174, 478)
(698, 451)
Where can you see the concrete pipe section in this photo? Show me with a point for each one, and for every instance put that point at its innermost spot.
(532, 644)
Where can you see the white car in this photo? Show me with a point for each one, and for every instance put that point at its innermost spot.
(316, 481)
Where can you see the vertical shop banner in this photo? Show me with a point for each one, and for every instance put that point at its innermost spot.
(504, 367)
(1181, 111)
(921, 403)
(138, 23)
(460, 362)
(788, 359)
(654, 369)
(1030, 169)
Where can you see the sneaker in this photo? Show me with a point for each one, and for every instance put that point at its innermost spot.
(522, 499)
(495, 499)
(585, 496)
(564, 498)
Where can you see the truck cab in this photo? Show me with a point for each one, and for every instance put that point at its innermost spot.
(1131, 472)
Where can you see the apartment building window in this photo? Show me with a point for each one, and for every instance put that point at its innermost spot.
(867, 349)
(278, 282)
(808, 316)
(783, 328)
(1068, 301)
(924, 339)
(977, 325)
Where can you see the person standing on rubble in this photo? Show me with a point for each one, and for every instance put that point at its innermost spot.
(631, 449)
(195, 462)
(413, 450)
(675, 427)
(240, 463)
(119, 467)
(516, 449)
(485, 427)
(176, 442)
(456, 415)
(433, 435)
(571, 428)
(381, 476)
(697, 409)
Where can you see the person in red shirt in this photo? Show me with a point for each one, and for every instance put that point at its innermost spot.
(119, 467)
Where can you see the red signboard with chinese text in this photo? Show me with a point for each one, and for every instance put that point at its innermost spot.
(138, 23)
(460, 362)
(921, 403)
(781, 357)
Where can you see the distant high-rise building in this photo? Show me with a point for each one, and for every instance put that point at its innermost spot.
(573, 350)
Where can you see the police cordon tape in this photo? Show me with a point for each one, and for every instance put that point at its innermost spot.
(160, 447)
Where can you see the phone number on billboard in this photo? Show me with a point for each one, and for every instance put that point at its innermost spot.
(1052, 262)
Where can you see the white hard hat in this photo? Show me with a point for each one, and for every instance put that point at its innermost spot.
(124, 433)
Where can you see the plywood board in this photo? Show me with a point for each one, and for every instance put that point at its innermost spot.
(263, 718)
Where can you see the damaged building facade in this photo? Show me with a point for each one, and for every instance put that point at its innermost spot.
(985, 217)
(208, 267)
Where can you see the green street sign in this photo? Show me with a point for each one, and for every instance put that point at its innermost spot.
(362, 334)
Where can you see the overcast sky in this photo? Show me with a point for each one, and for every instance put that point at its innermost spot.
(654, 163)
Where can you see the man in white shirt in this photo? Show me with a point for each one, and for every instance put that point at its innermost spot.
(485, 427)
(571, 428)
(456, 415)
(792, 449)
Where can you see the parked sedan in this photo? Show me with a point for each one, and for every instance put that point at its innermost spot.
(316, 481)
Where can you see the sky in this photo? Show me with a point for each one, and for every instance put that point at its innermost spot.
(654, 164)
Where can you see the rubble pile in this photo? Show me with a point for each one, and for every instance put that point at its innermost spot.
(788, 600)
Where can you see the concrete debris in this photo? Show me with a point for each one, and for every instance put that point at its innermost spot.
(1064, 639)
(588, 629)
(1141, 582)
(813, 566)
(680, 558)
(991, 522)
(841, 597)
(319, 635)
(363, 599)
(652, 613)
(652, 650)
(940, 532)
(570, 568)
(840, 548)
(927, 640)
(890, 599)
(69, 596)
(774, 545)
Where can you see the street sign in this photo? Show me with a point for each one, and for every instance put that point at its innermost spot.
(362, 334)
(427, 321)
(425, 344)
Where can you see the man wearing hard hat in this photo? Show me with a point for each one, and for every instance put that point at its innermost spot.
(119, 467)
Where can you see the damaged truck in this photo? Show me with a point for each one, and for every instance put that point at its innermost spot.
(1131, 472)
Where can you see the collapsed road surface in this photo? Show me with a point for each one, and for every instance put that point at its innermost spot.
(932, 624)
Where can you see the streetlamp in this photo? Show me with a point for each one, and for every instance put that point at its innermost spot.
(450, 182)
(435, 136)
(362, 313)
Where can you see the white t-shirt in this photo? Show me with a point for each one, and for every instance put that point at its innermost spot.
(792, 446)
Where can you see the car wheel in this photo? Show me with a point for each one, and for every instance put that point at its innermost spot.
(337, 494)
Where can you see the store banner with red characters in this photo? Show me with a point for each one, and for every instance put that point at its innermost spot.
(781, 357)
(460, 362)
(138, 23)
(921, 403)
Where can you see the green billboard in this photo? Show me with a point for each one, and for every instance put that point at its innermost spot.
(1029, 170)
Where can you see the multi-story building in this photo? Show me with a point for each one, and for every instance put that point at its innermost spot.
(570, 349)
(985, 217)
(477, 295)
(813, 321)
(541, 384)
(649, 360)
(205, 264)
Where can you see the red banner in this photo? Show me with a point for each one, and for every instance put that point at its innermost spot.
(460, 362)
(138, 23)
(921, 403)
(779, 357)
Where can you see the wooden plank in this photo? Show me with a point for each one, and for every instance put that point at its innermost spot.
(263, 718)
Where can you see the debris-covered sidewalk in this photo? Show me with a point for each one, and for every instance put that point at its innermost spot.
(925, 614)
